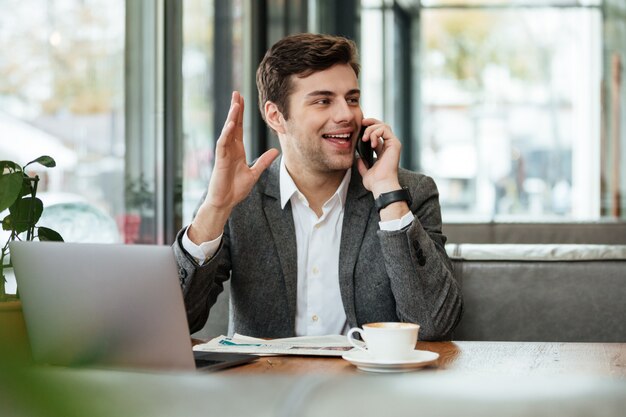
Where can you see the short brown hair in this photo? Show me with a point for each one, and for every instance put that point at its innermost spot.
(300, 55)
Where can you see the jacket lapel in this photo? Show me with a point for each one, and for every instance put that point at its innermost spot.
(359, 204)
(283, 233)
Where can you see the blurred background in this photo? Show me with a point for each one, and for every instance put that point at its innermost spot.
(513, 106)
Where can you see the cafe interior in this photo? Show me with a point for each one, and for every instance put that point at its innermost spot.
(516, 109)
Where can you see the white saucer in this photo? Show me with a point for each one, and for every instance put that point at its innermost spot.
(364, 362)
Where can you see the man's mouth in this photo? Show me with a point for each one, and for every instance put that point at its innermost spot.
(338, 137)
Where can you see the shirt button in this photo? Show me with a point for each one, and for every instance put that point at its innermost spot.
(315, 318)
(317, 226)
(315, 270)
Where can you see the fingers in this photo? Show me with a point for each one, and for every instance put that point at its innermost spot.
(376, 132)
(264, 162)
(233, 126)
(376, 138)
(228, 134)
(375, 129)
(368, 121)
(380, 136)
(232, 117)
(234, 108)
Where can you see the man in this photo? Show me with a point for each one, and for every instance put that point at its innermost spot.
(315, 241)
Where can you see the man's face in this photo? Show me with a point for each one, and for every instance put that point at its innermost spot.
(324, 116)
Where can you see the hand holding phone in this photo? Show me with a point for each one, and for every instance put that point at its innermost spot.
(364, 149)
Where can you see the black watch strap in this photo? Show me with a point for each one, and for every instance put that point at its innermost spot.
(385, 199)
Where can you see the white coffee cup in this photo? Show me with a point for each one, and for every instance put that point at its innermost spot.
(387, 341)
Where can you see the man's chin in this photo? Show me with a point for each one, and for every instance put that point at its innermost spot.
(341, 163)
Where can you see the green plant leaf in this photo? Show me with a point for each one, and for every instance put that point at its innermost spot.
(10, 165)
(44, 160)
(7, 223)
(25, 213)
(10, 188)
(46, 234)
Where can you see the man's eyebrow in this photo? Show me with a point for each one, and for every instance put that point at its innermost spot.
(317, 93)
(326, 93)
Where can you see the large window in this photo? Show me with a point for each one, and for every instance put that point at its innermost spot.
(62, 94)
(511, 110)
(506, 101)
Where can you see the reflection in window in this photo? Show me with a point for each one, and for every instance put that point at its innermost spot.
(62, 94)
(510, 111)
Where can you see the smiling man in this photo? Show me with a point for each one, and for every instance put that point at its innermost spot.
(315, 241)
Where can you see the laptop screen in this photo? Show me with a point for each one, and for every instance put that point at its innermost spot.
(103, 305)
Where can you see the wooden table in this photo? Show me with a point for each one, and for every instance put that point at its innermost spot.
(476, 358)
(471, 379)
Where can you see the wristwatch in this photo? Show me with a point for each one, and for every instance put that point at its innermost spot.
(385, 199)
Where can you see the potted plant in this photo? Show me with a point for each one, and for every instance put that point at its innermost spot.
(18, 194)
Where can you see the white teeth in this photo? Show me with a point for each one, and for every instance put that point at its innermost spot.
(342, 136)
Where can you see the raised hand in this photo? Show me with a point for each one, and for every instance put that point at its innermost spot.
(232, 178)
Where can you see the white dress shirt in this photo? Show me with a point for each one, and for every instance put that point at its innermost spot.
(319, 309)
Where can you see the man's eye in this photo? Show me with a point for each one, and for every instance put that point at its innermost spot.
(322, 101)
(353, 100)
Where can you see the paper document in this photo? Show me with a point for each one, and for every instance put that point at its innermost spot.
(331, 345)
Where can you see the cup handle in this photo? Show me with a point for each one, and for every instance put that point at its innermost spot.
(351, 339)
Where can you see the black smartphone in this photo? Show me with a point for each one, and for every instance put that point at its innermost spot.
(364, 149)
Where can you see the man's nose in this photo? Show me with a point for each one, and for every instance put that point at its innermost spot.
(343, 112)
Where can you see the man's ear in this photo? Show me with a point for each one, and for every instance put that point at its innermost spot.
(274, 117)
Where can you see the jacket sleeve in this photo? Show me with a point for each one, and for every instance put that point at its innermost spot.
(201, 284)
(420, 272)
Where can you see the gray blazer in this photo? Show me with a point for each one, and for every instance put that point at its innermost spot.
(402, 275)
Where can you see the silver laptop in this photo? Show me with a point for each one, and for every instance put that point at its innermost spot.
(106, 305)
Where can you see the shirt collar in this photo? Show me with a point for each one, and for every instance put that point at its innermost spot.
(288, 188)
